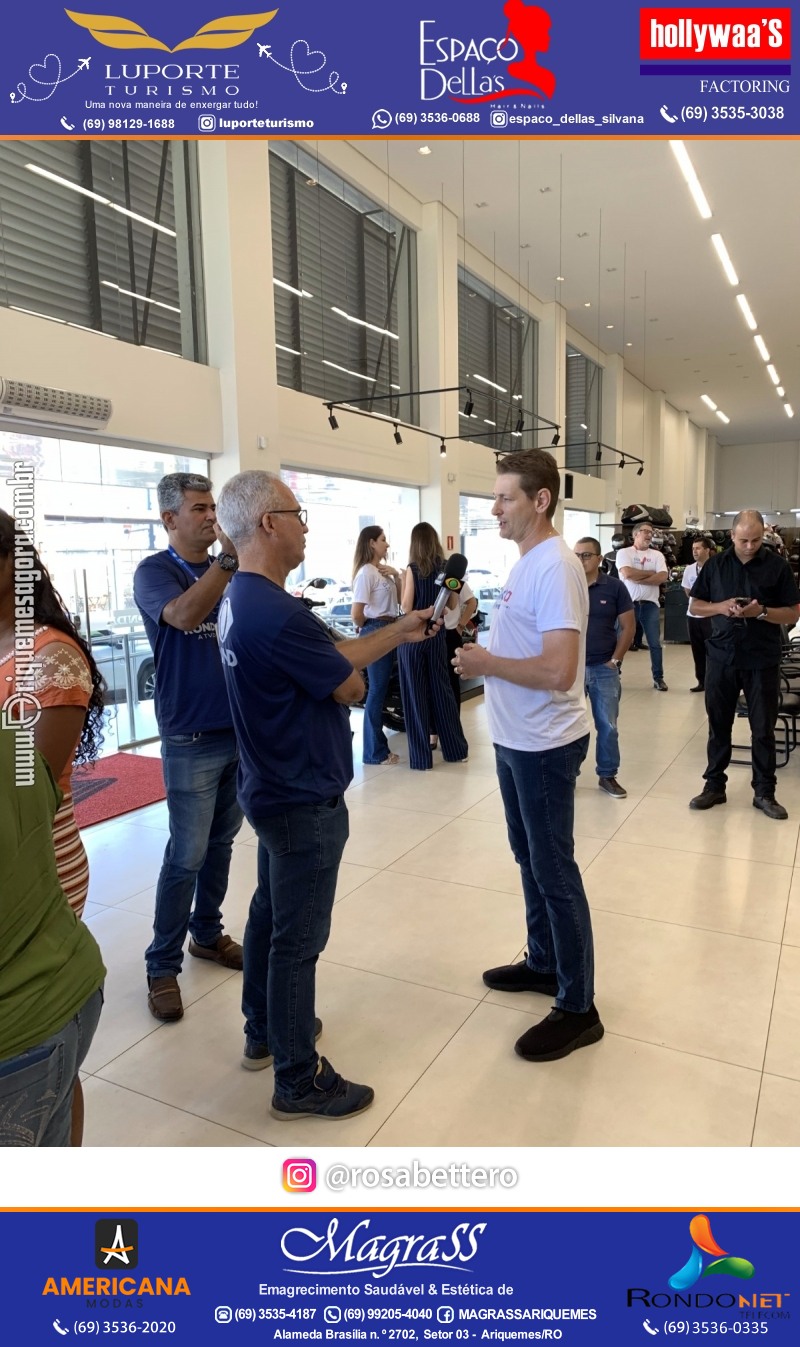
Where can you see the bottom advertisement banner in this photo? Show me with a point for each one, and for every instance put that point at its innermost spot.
(382, 1276)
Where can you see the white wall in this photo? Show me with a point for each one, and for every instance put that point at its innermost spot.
(763, 477)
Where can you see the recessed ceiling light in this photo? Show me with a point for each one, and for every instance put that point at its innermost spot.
(561, 278)
(545, 189)
(480, 204)
(629, 343)
(424, 149)
(609, 327)
(610, 269)
(588, 304)
(584, 235)
(523, 246)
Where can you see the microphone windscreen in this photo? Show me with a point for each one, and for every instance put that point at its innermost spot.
(456, 567)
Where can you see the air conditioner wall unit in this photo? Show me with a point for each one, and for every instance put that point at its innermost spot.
(25, 402)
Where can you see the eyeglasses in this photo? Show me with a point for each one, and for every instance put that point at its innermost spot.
(302, 515)
(584, 556)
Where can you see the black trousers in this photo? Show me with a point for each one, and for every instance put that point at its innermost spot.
(699, 632)
(761, 688)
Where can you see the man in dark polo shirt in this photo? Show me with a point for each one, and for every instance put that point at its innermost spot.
(177, 593)
(290, 686)
(608, 637)
(749, 592)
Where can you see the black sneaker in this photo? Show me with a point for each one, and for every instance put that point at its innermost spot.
(769, 806)
(611, 786)
(660, 685)
(559, 1035)
(708, 798)
(518, 977)
(257, 1056)
(698, 687)
(330, 1096)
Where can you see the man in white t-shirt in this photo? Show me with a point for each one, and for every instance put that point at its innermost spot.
(699, 627)
(533, 670)
(643, 570)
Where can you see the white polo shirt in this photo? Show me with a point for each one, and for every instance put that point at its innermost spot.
(546, 591)
(650, 562)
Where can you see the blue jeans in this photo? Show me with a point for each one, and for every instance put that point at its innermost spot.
(376, 745)
(604, 688)
(538, 791)
(204, 817)
(36, 1087)
(287, 930)
(649, 614)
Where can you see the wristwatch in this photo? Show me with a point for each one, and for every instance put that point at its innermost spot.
(226, 562)
(764, 611)
(617, 664)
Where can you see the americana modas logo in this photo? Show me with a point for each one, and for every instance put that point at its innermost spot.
(697, 1266)
(113, 31)
(116, 1244)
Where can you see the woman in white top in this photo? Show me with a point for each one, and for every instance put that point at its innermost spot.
(376, 592)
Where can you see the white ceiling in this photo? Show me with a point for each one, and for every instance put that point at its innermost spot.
(624, 225)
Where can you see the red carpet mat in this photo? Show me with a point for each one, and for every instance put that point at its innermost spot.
(115, 785)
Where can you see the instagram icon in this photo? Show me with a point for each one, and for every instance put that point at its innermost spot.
(299, 1176)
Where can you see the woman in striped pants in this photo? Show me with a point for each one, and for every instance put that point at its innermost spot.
(429, 707)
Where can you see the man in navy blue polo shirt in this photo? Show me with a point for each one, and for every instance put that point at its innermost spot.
(610, 632)
(177, 593)
(290, 687)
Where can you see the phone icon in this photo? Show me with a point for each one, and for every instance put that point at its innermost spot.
(648, 1329)
(665, 113)
(68, 126)
(59, 1329)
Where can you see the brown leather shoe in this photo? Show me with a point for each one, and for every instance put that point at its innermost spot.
(164, 998)
(224, 951)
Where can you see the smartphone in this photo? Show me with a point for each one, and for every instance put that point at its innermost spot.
(743, 602)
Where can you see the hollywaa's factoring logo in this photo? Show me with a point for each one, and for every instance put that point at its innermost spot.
(359, 1251)
(463, 66)
(112, 31)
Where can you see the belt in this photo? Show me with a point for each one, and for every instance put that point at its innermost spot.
(379, 619)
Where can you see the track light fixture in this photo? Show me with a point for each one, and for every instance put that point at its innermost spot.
(469, 405)
(622, 461)
(640, 470)
(598, 455)
(398, 439)
(520, 426)
(443, 448)
(332, 422)
(555, 438)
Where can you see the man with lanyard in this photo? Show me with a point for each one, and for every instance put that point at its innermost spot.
(177, 593)
(533, 671)
(749, 592)
(643, 570)
(290, 686)
(610, 632)
(699, 627)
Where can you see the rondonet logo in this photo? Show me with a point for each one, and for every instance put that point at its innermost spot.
(359, 1251)
(475, 68)
(113, 31)
(719, 34)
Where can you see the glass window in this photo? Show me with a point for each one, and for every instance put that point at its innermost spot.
(338, 509)
(581, 524)
(584, 393)
(490, 557)
(497, 363)
(345, 288)
(101, 235)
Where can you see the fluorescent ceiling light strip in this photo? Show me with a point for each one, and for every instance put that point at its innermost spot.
(132, 215)
(747, 311)
(762, 346)
(692, 181)
(366, 377)
(384, 331)
(773, 374)
(722, 254)
(144, 298)
(66, 182)
(289, 349)
(787, 407)
(780, 391)
(491, 383)
(707, 400)
(723, 417)
(304, 294)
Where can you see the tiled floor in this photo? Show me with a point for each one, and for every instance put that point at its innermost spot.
(697, 928)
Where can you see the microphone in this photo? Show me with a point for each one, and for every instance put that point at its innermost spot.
(451, 580)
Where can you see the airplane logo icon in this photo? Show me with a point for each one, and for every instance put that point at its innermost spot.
(83, 63)
(264, 50)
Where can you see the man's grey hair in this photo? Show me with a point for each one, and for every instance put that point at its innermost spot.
(643, 524)
(172, 488)
(244, 500)
(747, 517)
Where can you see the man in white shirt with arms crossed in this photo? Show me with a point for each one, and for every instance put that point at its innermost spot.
(643, 570)
(534, 674)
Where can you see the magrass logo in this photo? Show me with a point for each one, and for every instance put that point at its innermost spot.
(116, 1244)
(695, 1267)
(112, 31)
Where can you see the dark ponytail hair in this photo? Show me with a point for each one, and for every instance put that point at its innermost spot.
(49, 610)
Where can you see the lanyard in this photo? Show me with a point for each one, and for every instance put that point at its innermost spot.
(181, 562)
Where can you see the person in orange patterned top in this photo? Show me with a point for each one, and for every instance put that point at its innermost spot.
(50, 662)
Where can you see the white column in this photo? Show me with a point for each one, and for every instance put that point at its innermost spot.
(552, 399)
(437, 279)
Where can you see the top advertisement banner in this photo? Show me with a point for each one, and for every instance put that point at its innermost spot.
(495, 68)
